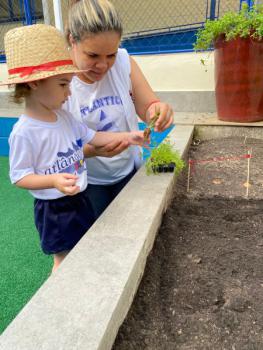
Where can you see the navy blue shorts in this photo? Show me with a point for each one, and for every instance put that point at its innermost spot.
(62, 222)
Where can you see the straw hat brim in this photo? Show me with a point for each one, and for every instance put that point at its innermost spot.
(40, 75)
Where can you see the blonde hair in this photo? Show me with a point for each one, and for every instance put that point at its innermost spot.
(20, 92)
(89, 17)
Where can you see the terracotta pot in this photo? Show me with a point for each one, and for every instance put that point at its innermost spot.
(239, 79)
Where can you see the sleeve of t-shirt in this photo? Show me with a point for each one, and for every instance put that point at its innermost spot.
(123, 67)
(86, 134)
(20, 158)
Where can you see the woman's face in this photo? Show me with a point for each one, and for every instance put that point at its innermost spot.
(96, 54)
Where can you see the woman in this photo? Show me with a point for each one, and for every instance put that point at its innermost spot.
(108, 95)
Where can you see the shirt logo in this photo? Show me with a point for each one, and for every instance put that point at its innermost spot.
(71, 161)
(106, 123)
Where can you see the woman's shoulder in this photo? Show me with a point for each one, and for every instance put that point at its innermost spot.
(123, 57)
(122, 66)
(123, 53)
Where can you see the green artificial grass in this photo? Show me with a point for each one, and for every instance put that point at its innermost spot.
(23, 266)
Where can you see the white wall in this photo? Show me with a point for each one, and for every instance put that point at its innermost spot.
(3, 76)
(179, 71)
(170, 72)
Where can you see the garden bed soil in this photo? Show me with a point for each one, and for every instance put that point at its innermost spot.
(203, 284)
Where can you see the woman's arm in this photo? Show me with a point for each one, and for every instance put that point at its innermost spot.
(146, 102)
(141, 91)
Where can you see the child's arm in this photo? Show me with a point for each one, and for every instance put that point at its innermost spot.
(22, 172)
(98, 143)
(64, 182)
(110, 150)
(102, 139)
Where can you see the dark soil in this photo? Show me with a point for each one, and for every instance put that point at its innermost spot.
(203, 284)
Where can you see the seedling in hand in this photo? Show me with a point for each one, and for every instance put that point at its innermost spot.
(151, 125)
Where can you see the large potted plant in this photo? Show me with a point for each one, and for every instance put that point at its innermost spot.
(238, 44)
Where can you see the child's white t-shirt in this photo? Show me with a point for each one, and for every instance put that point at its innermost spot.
(45, 148)
(102, 106)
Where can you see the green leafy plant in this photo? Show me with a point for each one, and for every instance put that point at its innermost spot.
(246, 23)
(164, 155)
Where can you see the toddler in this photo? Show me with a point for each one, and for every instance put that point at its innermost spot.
(47, 145)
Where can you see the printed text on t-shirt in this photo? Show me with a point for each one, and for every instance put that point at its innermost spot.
(101, 102)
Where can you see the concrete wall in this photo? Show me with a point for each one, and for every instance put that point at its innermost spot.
(170, 72)
(179, 71)
(179, 79)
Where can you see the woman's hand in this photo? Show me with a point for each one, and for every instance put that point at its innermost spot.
(165, 118)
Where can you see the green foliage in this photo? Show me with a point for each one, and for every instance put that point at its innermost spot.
(164, 154)
(246, 23)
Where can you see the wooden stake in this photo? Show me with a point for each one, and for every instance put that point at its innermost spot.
(248, 170)
(188, 177)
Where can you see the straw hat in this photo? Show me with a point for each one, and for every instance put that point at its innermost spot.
(36, 52)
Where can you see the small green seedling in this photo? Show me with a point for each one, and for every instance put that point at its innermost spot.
(164, 158)
(151, 125)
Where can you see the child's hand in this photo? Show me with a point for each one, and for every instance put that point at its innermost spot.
(66, 183)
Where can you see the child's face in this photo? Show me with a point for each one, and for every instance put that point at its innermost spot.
(54, 91)
(95, 54)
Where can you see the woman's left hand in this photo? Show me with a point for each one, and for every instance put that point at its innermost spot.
(165, 118)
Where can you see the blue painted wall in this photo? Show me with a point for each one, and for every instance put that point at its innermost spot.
(6, 125)
(179, 41)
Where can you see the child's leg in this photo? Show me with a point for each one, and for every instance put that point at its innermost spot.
(58, 258)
